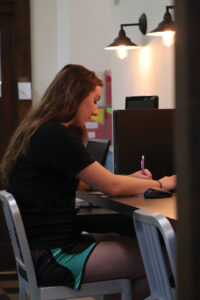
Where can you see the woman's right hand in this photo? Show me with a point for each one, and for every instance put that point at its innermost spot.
(168, 182)
(138, 174)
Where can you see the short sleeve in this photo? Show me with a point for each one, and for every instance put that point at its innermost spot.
(62, 149)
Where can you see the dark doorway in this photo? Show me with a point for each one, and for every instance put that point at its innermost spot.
(8, 98)
(8, 109)
(15, 66)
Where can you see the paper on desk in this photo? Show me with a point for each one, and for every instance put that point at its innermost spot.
(78, 200)
(96, 193)
(104, 195)
(99, 193)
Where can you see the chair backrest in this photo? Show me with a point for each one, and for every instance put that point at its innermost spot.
(19, 241)
(149, 226)
(99, 149)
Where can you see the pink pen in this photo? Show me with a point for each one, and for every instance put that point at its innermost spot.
(142, 164)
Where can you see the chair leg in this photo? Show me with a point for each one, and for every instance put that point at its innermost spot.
(22, 291)
(127, 290)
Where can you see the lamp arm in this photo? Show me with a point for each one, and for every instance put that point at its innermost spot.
(142, 24)
(169, 7)
(131, 24)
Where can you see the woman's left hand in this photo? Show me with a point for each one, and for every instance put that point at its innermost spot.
(138, 174)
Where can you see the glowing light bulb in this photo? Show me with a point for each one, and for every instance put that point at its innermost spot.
(122, 52)
(168, 38)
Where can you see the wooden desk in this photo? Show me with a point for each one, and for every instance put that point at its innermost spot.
(102, 220)
(127, 204)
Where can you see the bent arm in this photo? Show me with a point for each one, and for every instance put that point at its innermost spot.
(116, 185)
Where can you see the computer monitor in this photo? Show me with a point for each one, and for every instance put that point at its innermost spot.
(98, 148)
(147, 132)
(140, 102)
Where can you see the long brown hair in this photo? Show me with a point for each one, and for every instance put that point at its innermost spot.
(60, 103)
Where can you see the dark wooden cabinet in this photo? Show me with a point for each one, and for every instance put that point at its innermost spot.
(15, 66)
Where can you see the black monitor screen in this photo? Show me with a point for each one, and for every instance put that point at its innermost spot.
(99, 149)
(147, 132)
(137, 102)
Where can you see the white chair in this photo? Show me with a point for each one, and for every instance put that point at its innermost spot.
(148, 226)
(26, 273)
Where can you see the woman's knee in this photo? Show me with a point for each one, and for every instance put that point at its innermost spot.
(115, 258)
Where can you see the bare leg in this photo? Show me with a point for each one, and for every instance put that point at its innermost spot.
(117, 257)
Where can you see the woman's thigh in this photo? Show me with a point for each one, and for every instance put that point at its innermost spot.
(114, 257)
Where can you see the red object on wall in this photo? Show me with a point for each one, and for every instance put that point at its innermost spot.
(108, 129)
(108, 90)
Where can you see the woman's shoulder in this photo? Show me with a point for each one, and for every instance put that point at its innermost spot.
(49, 125)
(55, 127)
(55, 131)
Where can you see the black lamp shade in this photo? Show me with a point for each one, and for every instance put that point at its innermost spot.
(166, 25)
(121, 40)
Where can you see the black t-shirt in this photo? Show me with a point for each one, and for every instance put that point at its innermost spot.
(44, 184)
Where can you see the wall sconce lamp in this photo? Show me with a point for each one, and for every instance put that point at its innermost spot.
(122, 43)
(166, 28)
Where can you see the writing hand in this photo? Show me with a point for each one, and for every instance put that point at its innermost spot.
(138, 174)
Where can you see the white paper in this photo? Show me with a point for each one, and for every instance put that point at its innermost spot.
(93, 125)
(91, 135)
(24, 91)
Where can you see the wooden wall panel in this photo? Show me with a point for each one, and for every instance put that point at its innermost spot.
(23, 46)
(188, 146)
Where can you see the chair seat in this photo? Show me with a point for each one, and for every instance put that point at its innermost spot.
(87, 289)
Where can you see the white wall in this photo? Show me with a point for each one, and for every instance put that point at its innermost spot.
(44, 47)
(76, 31)
(150, 69)
(67, 31)
(89, 29)
(63, 32)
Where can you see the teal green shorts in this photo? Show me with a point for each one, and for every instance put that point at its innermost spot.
(57, 267)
